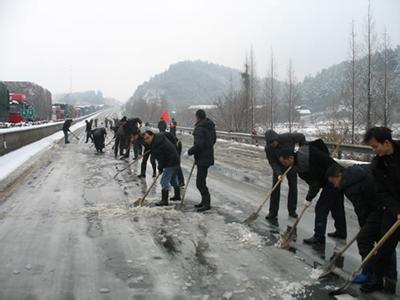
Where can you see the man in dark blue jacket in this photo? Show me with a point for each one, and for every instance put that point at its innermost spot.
(274, 143)
(204, 138)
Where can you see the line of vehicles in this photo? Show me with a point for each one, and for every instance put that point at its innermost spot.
(16, 108)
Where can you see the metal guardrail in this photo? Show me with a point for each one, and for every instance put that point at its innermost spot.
(253, 139)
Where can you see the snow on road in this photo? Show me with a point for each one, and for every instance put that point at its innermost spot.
(69, 232)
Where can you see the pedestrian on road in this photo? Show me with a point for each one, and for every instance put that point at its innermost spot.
(99, 135)
(131, 126)
(95, 122)
(66, 126)
(88, 130)
(168, 161)
(385, 168)
(358, 186)
(162, 125)
(274, 144)
(204, 136)
(312, 164)
(172, 127)
(120, 138)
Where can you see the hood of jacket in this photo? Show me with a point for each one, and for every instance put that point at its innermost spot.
(271, 135)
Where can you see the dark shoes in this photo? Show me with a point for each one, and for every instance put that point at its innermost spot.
(337, 235)
(314, 241)
(154, 174)
(177, 196)
(205, 203)
(272, 219)
(204, 208)
(293, 215)
(142, 176)
(164, 198)
(373, 284)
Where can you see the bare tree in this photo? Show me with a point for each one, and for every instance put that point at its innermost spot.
(353, 80)
(370, 53)
(270, 89)
(386, 102)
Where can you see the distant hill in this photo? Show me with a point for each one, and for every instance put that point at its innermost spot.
(85, 98)
(188, 82)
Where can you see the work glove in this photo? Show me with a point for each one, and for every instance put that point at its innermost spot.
(307, 203)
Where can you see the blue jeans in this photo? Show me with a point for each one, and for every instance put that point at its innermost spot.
(169, 177)
(66, 136)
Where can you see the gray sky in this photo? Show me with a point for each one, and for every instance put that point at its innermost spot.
(116, 45)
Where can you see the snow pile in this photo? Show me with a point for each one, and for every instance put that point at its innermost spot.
(243, 234)
(123, 211)
(291, 290)
(315, 273)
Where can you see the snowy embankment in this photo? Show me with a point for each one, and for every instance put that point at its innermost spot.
(19, 160)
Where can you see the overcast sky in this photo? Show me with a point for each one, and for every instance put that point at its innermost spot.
(116, 45)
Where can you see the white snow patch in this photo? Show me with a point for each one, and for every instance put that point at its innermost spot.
(243, 234)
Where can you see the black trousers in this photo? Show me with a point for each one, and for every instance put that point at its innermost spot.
(118, 144)
(292, 196)
(370, 233)
(201, 184)
(330, 200)
(144, 163)
(381, 262)
(88, 136)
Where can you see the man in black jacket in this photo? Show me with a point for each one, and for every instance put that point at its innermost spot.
(99, 136)
(162, 125)
(66, 126)
(358, 186)
(204, 138)
(168, 161)
(88, 130)
(386, 172)
(311, 164)
(274, 143)
(138, 138)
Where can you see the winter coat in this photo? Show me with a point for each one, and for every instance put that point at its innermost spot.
(162, 126)
(99, 135)
(203, 145)
(88, 127)
(286, 140)
(311, 165)
(67, 125)
(164, 152)
(358, 186)
(386, 172)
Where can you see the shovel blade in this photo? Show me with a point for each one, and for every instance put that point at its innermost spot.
(251, 218)
(340, 290)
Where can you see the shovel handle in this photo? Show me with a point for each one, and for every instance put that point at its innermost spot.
(187, 183)
(149, 189)
(374, 250)
(272, 190)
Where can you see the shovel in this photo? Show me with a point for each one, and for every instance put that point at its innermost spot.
(139, 201)
(285, 241)
(330, 266)
(73, 134)
(130, 164)
(187, 184)
(347, 284)
(254, 215)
